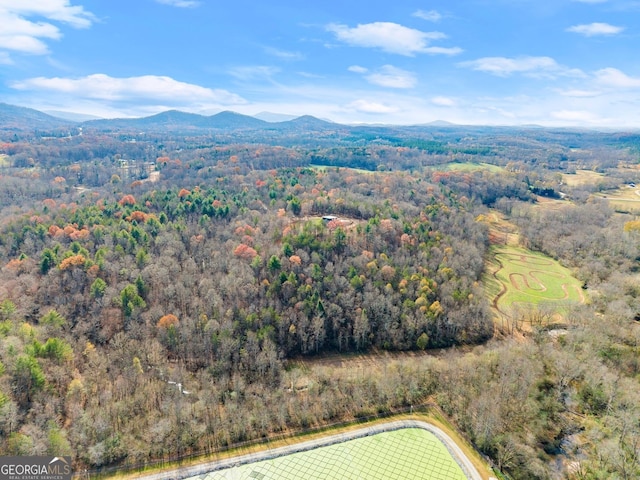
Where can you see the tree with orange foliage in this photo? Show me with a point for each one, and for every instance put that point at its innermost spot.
(137, 216)
(55, 230)
(245, 251)
(72, 261)
(79, 234)
(183, 193)
(167, 321)
(127, 200)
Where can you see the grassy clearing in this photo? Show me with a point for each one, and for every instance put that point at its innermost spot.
(323, 168)
(520, 277)
(401, 454)
(4, 161)
(582, 177)
(468, 167)
(625, 199)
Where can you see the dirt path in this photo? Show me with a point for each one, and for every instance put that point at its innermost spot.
(376, 360)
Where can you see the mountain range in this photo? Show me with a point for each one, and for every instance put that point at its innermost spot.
(20, 118)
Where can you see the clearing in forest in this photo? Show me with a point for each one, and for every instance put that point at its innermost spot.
(400, 454)
(323, 168)
(582, 177)
(469, 167)
(521, 278)
(518, 277)
(4, 161)
(625, 199)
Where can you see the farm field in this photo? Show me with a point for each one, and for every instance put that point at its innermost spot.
(625, 199)
(469, 167)
(400, 454)
(520, 277)
(582, 177)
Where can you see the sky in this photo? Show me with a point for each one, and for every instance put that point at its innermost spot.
(489, 62)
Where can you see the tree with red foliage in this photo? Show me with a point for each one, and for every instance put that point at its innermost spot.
(245, 251)
(127, 200)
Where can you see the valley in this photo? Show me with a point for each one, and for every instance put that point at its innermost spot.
(174, 287)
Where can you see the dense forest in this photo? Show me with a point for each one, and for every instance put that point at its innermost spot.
(159, 289)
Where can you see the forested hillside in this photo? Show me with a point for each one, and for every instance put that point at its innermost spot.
(158, 291)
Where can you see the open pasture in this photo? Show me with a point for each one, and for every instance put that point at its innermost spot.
(468, 167)
(582, 177)
(520, 277)
(625, 199)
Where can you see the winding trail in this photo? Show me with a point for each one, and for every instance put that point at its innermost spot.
(456, 452)
(503, 287)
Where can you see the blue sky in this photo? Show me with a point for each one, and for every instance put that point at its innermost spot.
(548, 62)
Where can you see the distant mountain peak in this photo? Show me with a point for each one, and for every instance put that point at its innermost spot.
(72, 116)
(274, 117)
(22, 118)
(440, 123)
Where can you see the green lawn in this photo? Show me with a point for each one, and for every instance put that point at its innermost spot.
(520, 276)
(409, 453)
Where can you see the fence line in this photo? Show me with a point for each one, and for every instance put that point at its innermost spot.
(177, 460)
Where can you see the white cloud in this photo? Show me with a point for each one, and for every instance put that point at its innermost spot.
(430, 16)
(443, 50)
(390, 37)
(443, 101)
(357, 69)
(147, 87)
(612, 77)
(576, 93)
(392, 77)
(531, 66)
(594, 29)
(252, 72)
(366, 106)
(310, 75)
(283, 54)
(19, 34)
(59, 10)
(179, 3)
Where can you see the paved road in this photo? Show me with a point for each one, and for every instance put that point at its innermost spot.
(185, 472)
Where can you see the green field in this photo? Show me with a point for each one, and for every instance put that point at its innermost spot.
(468, 167)
(522, 277)
(408, 453)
